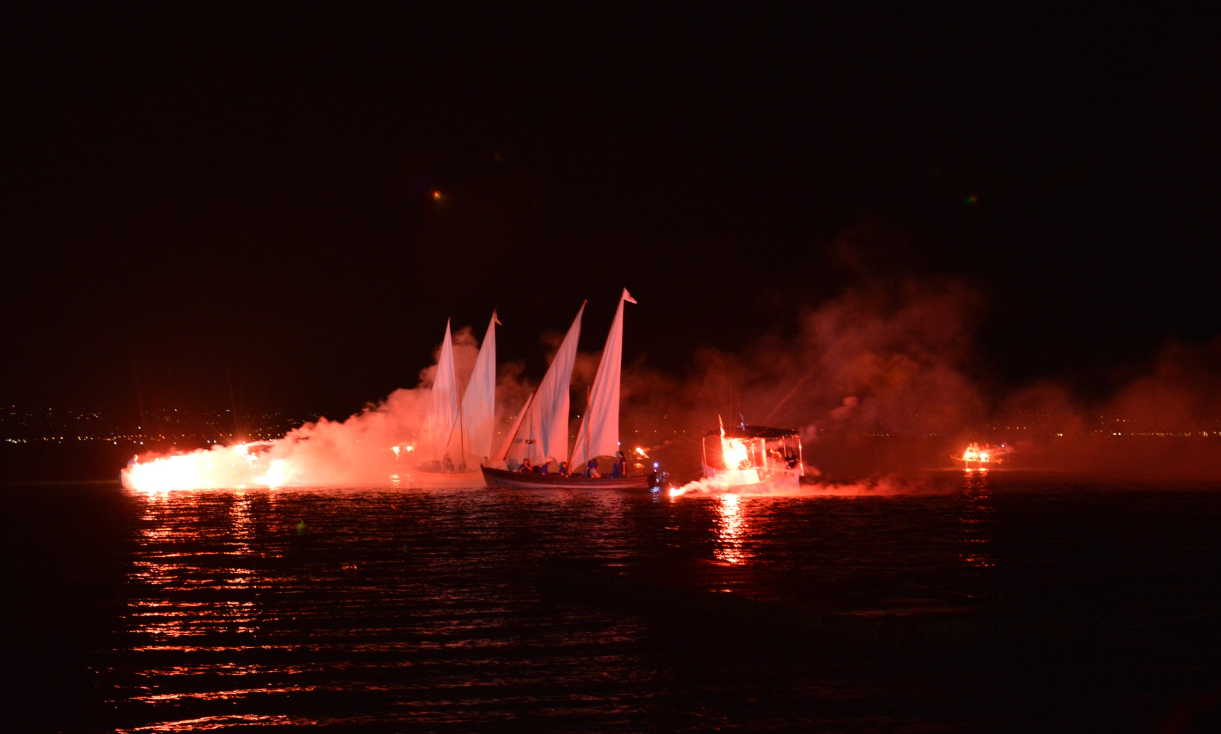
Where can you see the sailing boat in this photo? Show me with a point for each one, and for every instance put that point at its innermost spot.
(540, 433)
(462, 430)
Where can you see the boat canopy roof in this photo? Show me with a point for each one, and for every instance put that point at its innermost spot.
(765, 432)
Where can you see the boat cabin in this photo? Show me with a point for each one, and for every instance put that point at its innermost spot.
(746, 455)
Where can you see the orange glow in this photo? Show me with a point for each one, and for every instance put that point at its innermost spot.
(986, 454)
(436, 195)
(276, 476)
(975, 453)
(736, 455)
(217, 468)
(730, 530)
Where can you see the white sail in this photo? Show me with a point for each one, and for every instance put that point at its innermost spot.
(479, 402)
(443, 402)
(543, 432)
(599, 434)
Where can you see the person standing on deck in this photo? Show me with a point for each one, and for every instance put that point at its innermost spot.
(620, 468)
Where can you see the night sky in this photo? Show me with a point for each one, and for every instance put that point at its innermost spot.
(213, 202)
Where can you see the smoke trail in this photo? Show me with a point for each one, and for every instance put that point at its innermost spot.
(881, 380)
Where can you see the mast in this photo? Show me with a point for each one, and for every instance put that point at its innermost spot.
(599, 433)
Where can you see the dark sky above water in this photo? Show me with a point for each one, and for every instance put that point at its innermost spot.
(223, 199)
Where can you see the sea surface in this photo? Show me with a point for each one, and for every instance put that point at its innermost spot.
(471, 610)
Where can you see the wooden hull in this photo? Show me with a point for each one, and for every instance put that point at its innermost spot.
(504, 479)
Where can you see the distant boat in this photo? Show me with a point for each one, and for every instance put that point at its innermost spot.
(754, 458)
(982, 457)
(540, 433)
(458, 435)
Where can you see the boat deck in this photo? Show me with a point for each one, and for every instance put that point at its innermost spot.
(505, 479)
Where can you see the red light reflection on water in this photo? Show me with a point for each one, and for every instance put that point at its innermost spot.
(976, 520)
(731, 530)
(196, 590)
(208, 723)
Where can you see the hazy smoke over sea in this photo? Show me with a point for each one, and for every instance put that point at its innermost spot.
(885, 379)
(881, 380)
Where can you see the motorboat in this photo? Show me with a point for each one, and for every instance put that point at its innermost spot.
(753, 458)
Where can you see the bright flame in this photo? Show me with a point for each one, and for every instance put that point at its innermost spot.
(986, 454)
(734, 451)
(736, 455)
(217, 468)
(975, 453)
(185, 471)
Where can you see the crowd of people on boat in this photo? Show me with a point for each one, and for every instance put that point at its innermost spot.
(591, 471)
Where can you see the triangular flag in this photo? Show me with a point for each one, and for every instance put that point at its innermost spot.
(628, 296)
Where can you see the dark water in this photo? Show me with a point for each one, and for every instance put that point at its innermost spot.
(435, 610)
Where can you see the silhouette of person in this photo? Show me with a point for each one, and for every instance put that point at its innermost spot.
(620, 467)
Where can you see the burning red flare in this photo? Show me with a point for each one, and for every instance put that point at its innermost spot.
(986, 454)
(219, 467)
